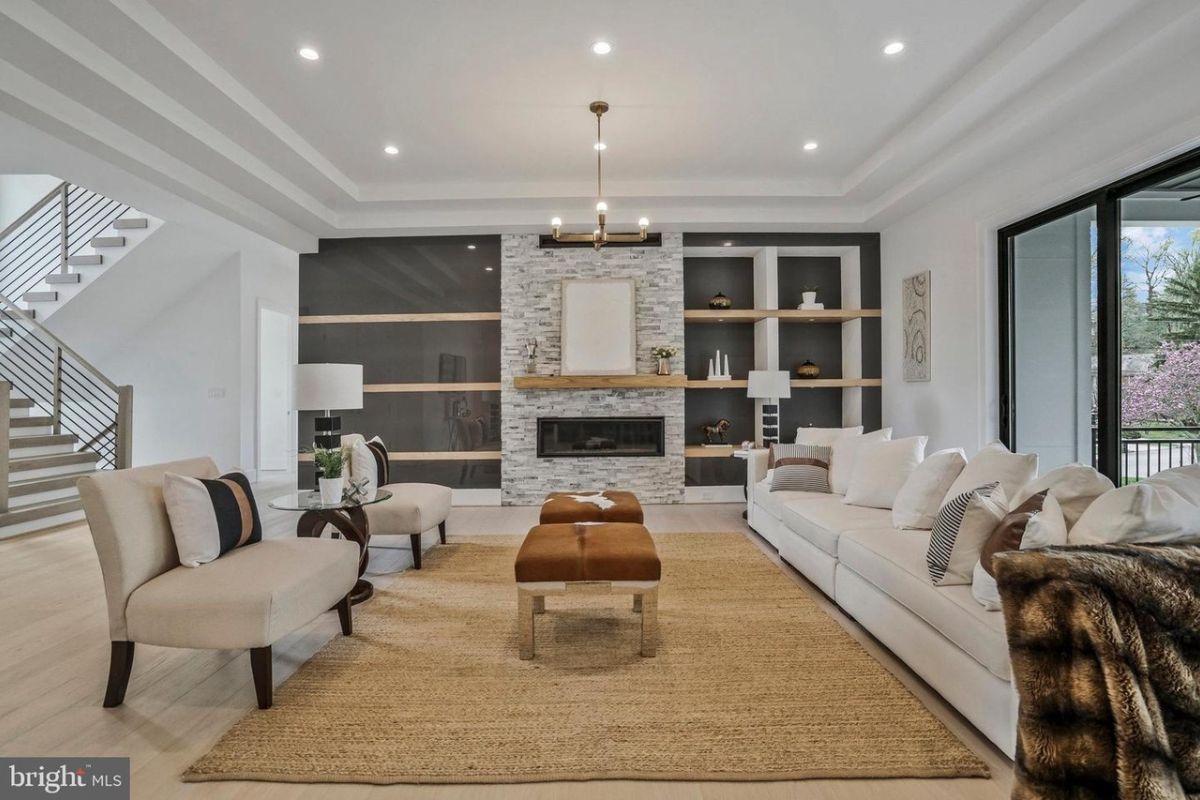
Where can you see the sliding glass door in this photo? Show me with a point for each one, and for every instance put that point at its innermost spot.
(1100, 327)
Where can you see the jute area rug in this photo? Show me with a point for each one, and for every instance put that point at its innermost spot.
(753, 681)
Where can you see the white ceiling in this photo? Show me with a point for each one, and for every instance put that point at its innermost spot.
(487, 101)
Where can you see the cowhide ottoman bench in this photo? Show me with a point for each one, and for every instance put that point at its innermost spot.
(591, 507)
(578, 558)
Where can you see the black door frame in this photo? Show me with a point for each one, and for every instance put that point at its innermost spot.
(1107, 204)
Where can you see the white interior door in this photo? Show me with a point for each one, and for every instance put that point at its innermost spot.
(274, 401)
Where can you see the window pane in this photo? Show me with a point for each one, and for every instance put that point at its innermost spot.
(1160, 327)
(1054, 331)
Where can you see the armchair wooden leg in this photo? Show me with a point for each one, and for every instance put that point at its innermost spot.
(415, 538)
(344, 616)
(120, 665)
(442, 531)
(260, 666)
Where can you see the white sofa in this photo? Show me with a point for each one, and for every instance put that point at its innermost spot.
(878, 575)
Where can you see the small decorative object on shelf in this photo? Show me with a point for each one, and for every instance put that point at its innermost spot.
(719, 302)
(808, 300)
(718, 430)
(718, 371)
(356, 490)
(329, 467)
(808, 370)
(531, 347)
(664, 354)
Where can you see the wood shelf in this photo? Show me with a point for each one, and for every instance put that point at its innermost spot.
(562, 382)
(703, 384)
(831, 315)
(835, 383)
(396, 388)
(431, 455)
(366, 319)
(696, 451)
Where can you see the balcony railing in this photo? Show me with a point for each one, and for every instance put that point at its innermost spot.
(1151, 449)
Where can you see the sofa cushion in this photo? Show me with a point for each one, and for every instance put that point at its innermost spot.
(249, 597)
(894, 562)
(412, 508)
(773, 502)
(821, 519)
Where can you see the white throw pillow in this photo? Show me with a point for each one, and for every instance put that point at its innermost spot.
(963, 524)
(921, 496)
(1163, 508)
(1046, 528)
(1074, 486)
(996, 463)
(881, 469)
(841, 459)
(210, 516)
(369, 460)
(825, 437)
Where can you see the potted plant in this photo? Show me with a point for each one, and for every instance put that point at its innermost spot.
(808, 295)
(664, 354)
(329, 464)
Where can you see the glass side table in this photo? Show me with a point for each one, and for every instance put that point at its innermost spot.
(348, 519)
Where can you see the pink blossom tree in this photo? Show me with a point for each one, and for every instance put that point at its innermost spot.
(1167, 394)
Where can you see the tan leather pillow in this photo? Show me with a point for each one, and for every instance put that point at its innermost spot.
(1011, 530)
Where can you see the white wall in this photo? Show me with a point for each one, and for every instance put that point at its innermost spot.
(19, 192)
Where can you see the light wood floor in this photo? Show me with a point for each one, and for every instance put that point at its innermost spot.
(54, 660)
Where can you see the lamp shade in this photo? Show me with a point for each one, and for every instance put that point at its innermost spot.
(769, 384)
(321, 387)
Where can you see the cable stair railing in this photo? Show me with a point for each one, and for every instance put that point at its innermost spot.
(53, 385)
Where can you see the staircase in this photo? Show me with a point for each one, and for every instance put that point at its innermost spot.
(62, 417)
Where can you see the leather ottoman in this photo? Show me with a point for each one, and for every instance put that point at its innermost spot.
(575, 558)
(605, 507)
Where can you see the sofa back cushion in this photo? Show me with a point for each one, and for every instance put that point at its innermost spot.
(844, 455)
(1074, 486)
(881, 470)
(1163, 508)
(800, 468)
(131, 530)
(825, 437)
(996, 463)
(921, 496)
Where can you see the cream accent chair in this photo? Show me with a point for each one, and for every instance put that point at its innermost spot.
(247, 599)
(412, 509)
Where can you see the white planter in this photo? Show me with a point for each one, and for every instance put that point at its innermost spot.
(331, 491)
(808, 298)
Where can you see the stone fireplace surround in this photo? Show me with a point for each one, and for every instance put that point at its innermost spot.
(531, 307)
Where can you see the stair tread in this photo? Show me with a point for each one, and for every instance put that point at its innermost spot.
(36, 485)
(30, 422)
(42, 439)
(63, 277)
(131, 222)
(39, 297)
(55, 460)
(86, 261)
(49, 508)
(108, 241)
(20, 402)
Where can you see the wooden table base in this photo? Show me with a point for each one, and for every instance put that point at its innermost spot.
(531, 600)
(351, 523)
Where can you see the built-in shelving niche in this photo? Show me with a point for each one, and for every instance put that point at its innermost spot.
(764, 275)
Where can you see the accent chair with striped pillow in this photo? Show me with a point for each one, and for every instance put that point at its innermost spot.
(210, 517)
(799, 468)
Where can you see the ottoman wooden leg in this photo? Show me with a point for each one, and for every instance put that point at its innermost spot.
(525, 624)
(637, 604)
(415, 539)
(539, 604)
(650, 623)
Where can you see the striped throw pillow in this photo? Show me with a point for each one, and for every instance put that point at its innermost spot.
(369, 459)
(210, 517)
(800, 468)
(960, 530)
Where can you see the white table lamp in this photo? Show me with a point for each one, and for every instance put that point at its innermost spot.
(770, 386)
(327, 387)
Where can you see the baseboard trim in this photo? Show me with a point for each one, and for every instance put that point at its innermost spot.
(714, 494)
(475, 497)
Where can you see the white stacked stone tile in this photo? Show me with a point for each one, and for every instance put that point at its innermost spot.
(531, 305)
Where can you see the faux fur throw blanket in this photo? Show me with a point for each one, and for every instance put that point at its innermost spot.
(1105, 645)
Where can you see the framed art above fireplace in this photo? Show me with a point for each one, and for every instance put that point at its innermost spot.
(599, 326)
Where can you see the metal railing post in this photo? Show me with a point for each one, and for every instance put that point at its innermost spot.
(56, 415)
(124, 427)
(5, 414)
(64, 236)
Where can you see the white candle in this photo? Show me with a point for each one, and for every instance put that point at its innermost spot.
(727, 365)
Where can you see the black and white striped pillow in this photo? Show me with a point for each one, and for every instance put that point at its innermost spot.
(962, 526)
(800, 468)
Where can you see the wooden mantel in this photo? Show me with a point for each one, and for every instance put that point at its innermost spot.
(562, 382)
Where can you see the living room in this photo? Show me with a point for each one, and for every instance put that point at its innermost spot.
(794, 399)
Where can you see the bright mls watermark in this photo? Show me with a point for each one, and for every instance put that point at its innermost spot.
(67, 778)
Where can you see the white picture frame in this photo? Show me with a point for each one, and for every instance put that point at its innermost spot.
(599, 326)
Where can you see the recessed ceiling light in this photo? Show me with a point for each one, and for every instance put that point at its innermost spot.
(391, 150)
(470, 247)
(810, 146)
(308, 54)
(892, 48)
(487, 269)
(601, 48)
(727, 244)
(599, 146)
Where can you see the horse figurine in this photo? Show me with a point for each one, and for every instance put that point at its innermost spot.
(719, 430)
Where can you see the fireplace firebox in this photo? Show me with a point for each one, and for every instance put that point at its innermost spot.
(575, 437)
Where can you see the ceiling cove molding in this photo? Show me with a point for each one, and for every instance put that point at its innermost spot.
(156, 25)
(79, 48)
